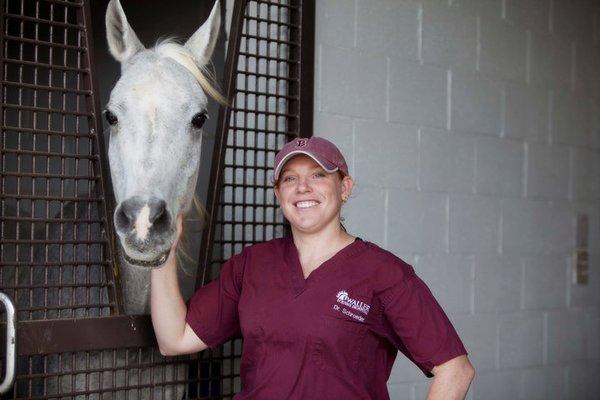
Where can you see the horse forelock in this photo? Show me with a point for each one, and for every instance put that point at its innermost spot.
(169, 48)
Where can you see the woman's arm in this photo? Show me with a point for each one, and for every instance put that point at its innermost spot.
(168, 309)
(451, 379)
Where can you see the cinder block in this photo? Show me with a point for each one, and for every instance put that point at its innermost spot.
(497, 385)
(585, 175)
(544, 383)
(368, 225)
(401, 391)
(405, 371)
(583, 382)
(547, 171)
(550, 61)
(335, 20)
(389, 27)
(591, 210)
(503, 50)
(418, 94)
(596, 124)
(585, 67)
(527, 110)
(533, 15)
(479, 334)
(485, 8)
(446, 161)
(536, 227)
(474, 224)
(499, 167)
(416, 222)
(545, 282)
(476, 104)
(449, 37)
(386, 154)
(566, 336)
(497, 286)
(566, 12)
(593, 333)
(571, 118)
(340, 130)
(449, 278)
(520, 339)
(344, 88)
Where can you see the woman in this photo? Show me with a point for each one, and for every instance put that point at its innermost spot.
(322, 313)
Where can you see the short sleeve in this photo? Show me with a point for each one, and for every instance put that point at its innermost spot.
(421, 329)
(212, 311)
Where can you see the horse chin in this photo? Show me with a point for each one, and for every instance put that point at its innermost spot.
(148, 264)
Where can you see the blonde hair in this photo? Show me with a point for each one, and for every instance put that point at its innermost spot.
(205, 77)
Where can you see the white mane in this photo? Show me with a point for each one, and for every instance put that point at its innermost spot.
(169, 48)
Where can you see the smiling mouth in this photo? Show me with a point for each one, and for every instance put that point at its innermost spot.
(148, 264)
(306, 204)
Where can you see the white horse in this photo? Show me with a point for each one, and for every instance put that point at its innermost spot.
(155, 112)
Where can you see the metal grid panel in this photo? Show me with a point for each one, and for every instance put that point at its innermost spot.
(265, 114)
(258, 127)
(53, 251)
(138, 373)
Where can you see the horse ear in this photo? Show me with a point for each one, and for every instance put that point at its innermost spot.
(122, 40)
(202, 42)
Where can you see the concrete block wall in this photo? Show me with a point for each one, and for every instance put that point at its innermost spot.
(472, 129)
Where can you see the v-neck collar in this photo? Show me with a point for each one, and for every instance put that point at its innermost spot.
(292, 259)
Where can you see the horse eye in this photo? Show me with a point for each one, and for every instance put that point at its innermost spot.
(110, 117)
(199, 119)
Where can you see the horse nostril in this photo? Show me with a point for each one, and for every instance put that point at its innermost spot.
(124, 216)
(157, 209)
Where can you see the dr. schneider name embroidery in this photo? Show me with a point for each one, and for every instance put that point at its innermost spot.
(344, 299)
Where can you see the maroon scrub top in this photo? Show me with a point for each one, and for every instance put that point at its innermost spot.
(333, 335)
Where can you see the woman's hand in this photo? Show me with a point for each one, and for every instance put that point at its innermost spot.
(171, 258)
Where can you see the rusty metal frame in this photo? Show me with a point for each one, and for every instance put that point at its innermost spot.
(107, 194)
(57, 335)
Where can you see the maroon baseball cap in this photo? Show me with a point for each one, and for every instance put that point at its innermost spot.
(325, 153)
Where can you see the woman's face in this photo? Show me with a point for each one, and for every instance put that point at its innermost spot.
(310, 197)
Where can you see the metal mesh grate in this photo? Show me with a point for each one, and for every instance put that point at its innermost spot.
(265, 114)
(140, 373)
(53, 250)
(258, 128)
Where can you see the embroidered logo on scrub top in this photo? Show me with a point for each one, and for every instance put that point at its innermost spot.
(344, 299)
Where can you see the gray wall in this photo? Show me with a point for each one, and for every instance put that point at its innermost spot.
(472, 130)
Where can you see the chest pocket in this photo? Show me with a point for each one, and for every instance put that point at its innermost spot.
(338, 343)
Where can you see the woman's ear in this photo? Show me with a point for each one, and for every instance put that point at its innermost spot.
(347, 185)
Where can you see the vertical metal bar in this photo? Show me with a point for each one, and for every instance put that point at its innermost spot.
(304, 69)
(2, 132)
(216, 170)
(106, 191)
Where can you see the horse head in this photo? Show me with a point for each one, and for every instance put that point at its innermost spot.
(155, 113)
